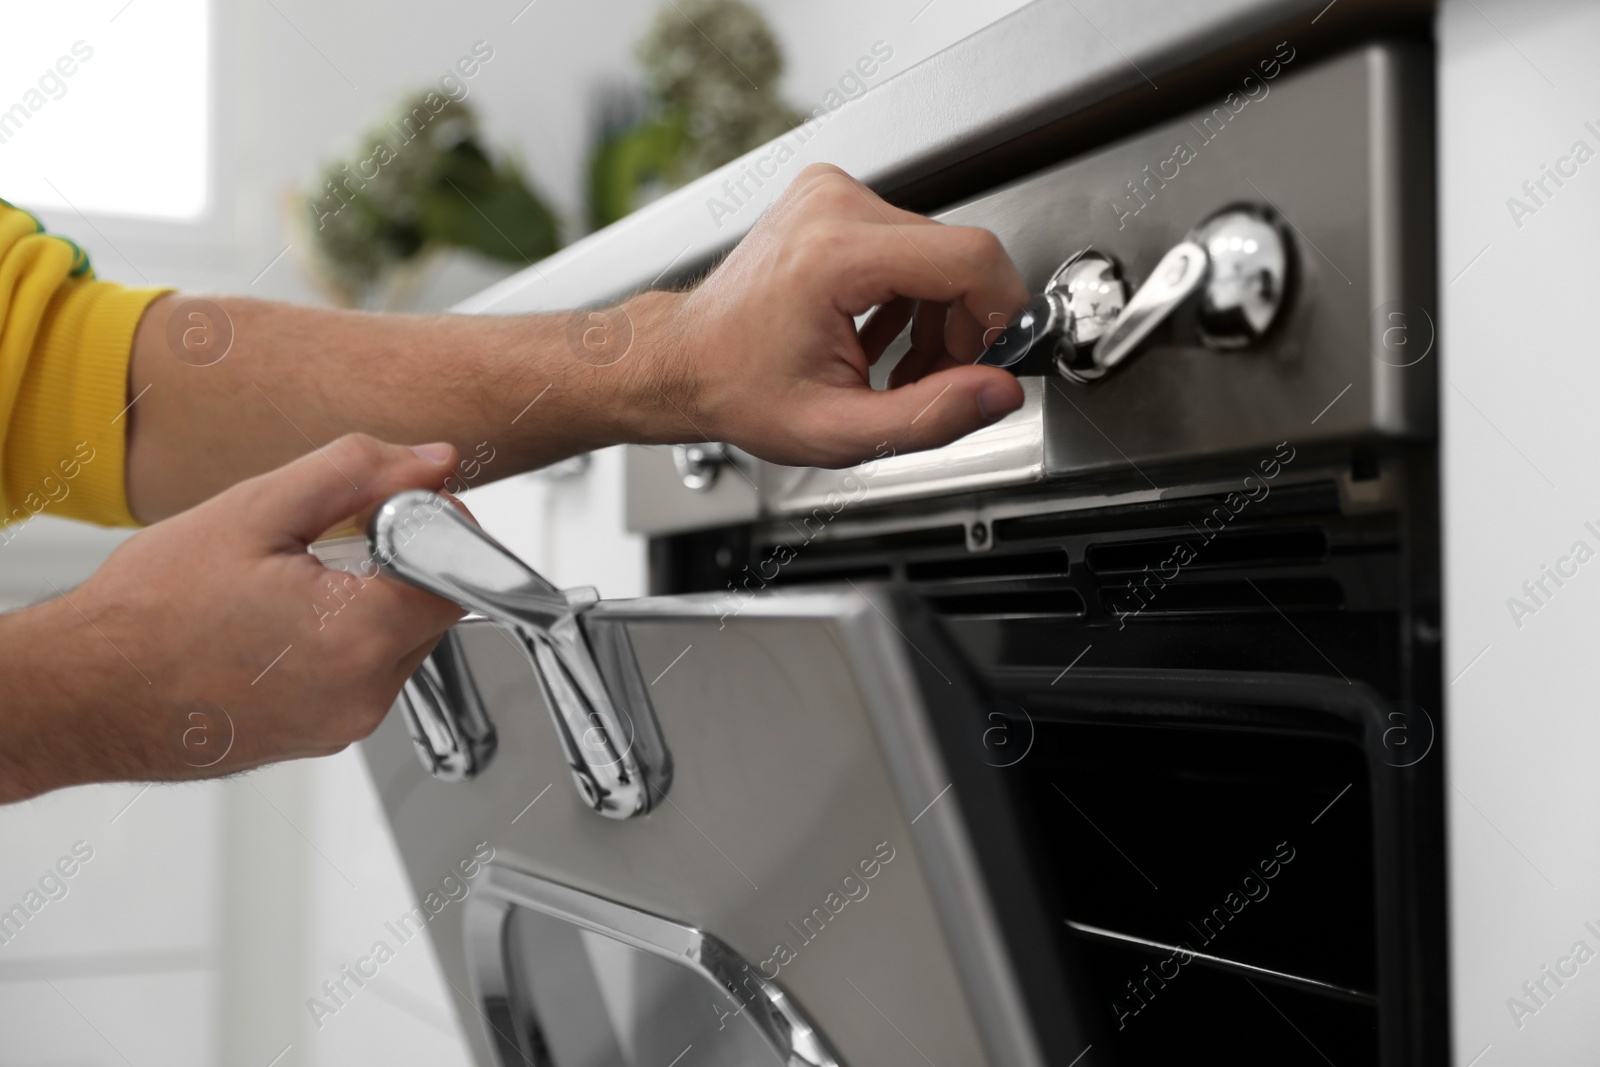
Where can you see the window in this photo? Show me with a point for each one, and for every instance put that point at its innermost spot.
(104, 107)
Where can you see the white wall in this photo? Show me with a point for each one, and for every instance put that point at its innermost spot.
(211, 912)
(1518, 88)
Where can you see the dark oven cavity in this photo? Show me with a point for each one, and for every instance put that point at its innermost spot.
(1212, 736)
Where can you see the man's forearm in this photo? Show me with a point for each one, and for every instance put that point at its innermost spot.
(537, 388)
(47, 658)
(763, 354)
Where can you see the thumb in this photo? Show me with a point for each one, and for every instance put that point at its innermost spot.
(301, 500)
(932, 411)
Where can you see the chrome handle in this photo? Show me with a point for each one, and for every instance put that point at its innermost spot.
(421, 538)
(1174, 280)
(618, 760)
(1237, 260)
(445, 716)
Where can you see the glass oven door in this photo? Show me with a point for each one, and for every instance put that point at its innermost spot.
(705, 830)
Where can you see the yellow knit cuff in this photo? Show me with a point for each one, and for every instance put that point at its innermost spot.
(65, 451)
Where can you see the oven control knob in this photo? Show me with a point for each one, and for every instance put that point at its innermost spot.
(699, 464)
(1237, 261)
(1180, 272)
(1249, 269)
(1080, 302)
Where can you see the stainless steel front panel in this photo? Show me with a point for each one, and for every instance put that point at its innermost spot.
(1338, 150)
(800, 755)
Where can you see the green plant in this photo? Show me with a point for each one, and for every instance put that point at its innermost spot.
(711, 69)
(418, 182)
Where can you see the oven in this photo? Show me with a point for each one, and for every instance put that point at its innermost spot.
(1101, 736)
(1198, 598)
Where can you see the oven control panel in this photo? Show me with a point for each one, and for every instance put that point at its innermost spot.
(1233, 267)
(1257, 270)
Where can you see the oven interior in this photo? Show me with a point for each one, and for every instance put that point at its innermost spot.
(1211, 825)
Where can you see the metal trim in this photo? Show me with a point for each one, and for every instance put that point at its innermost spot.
(943, 840)
(1244, 970)
(781, 1021)
(1059, 500)
(877, 653)
(1007, 453)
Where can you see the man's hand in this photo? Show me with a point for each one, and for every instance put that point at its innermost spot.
(768, 355)
(214, 642)
(763, 354)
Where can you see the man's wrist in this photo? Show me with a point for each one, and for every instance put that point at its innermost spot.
(659, 401)
(81, 711)
(39, 726)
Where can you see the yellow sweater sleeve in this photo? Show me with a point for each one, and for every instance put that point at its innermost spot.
(65, 341)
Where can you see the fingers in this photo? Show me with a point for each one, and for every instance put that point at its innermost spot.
(927, 344)
(297, 502)
(414, 616)
(964, 332)
(909, 255)
(884, 326)
(294, 504)
(961, 266)
(413, 659)
(939, 330)
(825, 186)
(933, 411)
(405, 647)
(380, 601)
(829, 251)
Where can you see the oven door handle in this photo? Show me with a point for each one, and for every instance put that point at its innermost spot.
(600, 710)
(443, 712)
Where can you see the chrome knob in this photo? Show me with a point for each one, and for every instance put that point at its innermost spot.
(1081, 300)
(1249, 257)
(699, 464)
(1237, 260)
(598, 705)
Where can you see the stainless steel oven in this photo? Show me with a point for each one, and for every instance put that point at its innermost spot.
(1098, 737)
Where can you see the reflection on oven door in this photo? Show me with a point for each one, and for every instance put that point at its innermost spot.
(566, 977)
(592, 1001)
(806, 891)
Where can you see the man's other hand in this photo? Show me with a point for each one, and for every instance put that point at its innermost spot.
(213, 642)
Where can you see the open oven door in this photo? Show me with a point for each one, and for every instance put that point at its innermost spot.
(711, 830)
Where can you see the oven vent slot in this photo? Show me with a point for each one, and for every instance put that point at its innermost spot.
(1317, 499)
(863, 572)
(1264, 548)
(1010, 604)
(1186, 598)
(808, 545)
(1051, 563)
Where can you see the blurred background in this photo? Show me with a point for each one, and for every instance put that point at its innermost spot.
(209, 146)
